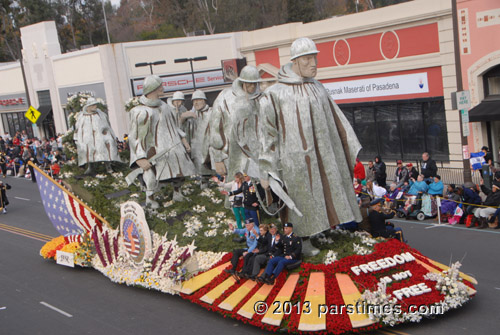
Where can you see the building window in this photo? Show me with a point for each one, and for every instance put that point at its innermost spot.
(14, 122)
(492, 83)
(400, 129)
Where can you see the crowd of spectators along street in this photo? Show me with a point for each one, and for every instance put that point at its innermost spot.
(48, 154)
(469, 204)
(16, 151)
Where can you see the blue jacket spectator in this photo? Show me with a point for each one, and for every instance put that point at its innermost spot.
(418, 186)
(471, 197)
(436, 187)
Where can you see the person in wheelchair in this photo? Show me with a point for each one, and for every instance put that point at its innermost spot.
(378, 225)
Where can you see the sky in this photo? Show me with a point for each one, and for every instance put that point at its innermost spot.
(115, 2)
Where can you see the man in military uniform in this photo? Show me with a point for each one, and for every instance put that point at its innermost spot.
(378, 226)
(250, 199)
(274, 249)
(251, 239)
(292, 249)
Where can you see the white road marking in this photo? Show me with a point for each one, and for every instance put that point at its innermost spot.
(56, 309)
(435, 226)
(3, 308)
(497, 288)
(22, 198)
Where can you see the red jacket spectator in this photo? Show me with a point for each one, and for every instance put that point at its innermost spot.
(359, 170)
(55, 169)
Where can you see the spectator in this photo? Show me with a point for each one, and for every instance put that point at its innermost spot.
(235, 200)
(3, 145)
(359, 170)
(412, 172)
(493, 200)
(292, 249)
(250, 200)
(436, 187)
(401, 176)
(3, 164)
(378, 225)
(261, 249)
(358, 188)
(392, 196)
(55, 169)
(417, 186)
(452, 198)
(374, 190)
(370, 172)
(380, 174)
(251, 238)
(429, 167)
(274, 249)
(4, 201)
(470, 196)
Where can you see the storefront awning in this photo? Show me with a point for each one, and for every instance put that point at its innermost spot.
(487, 110)
(44, 111)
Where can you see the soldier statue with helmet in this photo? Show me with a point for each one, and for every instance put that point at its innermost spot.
(201, 137)
(157, 145)
(309, 144)
(185, 118)
(234, 140)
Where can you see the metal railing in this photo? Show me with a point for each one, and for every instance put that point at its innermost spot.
(448, 175)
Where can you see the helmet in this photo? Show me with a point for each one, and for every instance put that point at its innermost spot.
(302, 46)
(249, 74)
(151, 83)
(178, 96)
(198, 95)
(91, 101)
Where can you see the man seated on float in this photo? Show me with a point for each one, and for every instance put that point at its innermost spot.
(292, 249)
(274, 249)
(378, 226)
(261, 249)
(251, 238)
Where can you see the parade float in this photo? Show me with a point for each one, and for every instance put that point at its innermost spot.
(352, 282)
(356, 283)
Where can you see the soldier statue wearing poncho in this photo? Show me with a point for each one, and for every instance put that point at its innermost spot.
(309, 144)
(94, 137)
(201, 136)
(157, 144)
(234, 139)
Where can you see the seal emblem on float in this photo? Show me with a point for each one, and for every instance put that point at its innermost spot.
(134, 231)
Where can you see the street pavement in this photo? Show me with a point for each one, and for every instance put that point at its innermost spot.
(39, 297)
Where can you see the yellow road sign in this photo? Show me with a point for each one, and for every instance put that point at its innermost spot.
(32, 114)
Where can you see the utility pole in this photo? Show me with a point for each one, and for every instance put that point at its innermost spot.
(460, 87)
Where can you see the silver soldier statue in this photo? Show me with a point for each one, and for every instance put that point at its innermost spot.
(234, 140)
(157, 145)
(310, 145)
(185, 118)
(95, 140)
(201, 137)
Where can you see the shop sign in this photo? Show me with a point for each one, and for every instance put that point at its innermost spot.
(184, 81)
(94, 90)
(415, 83)
(13, 102)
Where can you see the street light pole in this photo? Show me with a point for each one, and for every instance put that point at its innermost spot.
(150, 64)
(191, 60)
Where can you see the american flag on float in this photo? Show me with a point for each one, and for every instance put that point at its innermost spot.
(69, 215)
(131, 238)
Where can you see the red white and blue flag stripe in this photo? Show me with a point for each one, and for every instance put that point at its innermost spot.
(68, 215)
